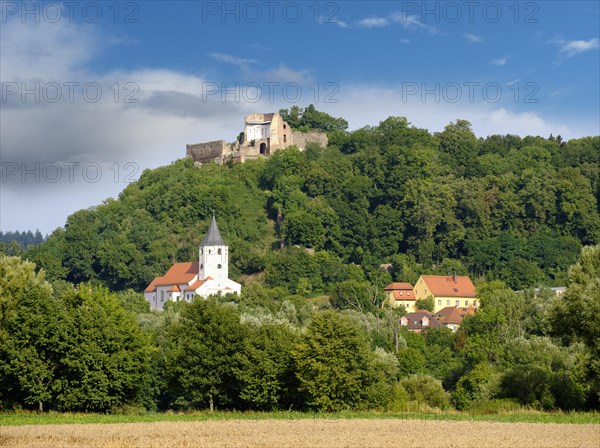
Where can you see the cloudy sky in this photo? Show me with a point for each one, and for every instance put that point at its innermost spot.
(93, 93)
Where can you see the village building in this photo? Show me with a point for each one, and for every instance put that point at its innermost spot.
(418, 321)
(450, 290)
(207, 276)
(400, 294)
(263, 135)
(452, 317)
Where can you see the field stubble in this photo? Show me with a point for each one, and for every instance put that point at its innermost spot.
(360, 433)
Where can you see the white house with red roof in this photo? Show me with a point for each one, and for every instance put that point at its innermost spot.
(207, 276)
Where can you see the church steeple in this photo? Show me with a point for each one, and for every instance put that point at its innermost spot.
(214, 255)
(213, 236)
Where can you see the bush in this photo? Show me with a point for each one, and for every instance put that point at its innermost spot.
(425, 389)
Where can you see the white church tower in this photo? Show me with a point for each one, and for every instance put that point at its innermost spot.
(206, 277)
(214, 256)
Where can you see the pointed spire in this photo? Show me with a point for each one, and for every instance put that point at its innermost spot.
(213, 236)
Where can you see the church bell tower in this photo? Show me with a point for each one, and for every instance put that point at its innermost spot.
(214, 255)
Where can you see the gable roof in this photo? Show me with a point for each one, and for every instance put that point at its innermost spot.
(397, 285)
(453, 315)
(450, 286)
(152, 286)
(174, 288)
(414, 320)
(213, 236)
(406, 296)
(194, 286)
(179, 273)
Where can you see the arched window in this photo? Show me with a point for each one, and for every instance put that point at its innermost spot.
(219, 251)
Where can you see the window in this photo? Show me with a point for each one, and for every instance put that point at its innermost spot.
(219, 251)
(284, 137)
(218, 266)
(447, 302)
(439, 303)
(475, 303)
(458, 303)
(400, 292)
(284, 128)
(408, 293)
(466, 303)
(200, 251)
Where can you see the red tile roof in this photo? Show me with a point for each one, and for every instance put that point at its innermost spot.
(175, 288)
(152, 286)
(404, 295)
(453, 315)
(396, 286)
(446, 286)
(194, 286)
(179, 273)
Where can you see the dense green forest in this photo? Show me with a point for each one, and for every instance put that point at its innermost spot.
(511, 212)
(13, 243)
(507, 208)
(83, 348)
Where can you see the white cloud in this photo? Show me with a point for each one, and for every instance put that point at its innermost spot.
(573, 47)
(409, 22)
(499, 61)
(404, 41)
(229, 59)
(472, 37)
(373, 22)
(365, 105)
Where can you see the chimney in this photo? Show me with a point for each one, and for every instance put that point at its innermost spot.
(455, 278)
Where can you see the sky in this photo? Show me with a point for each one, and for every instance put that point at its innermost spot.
(93, 93)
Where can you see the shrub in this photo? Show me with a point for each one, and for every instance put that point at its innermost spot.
(426, 389)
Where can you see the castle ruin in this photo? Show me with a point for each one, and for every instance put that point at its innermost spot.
(264, 134)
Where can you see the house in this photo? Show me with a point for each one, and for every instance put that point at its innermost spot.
(207, 276)
(418, 320)
(452, 316)
(446, 290)
(400, 294)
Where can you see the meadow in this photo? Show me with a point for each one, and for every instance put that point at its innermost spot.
(309, 432)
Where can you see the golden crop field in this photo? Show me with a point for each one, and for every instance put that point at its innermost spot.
(360, 433)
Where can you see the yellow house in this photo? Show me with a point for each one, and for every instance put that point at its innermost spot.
(400, 294)
(451, 290)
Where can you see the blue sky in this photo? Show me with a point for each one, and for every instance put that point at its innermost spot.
(95, 92)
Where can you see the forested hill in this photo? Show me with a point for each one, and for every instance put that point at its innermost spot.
(503, 207)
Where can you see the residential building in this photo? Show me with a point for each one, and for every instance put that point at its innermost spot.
(446, 290)
(400, 294)
(418, 321)
(452, 317)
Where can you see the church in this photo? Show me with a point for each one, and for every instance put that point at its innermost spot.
(207, 276)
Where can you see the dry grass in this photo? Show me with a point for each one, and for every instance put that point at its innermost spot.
(360, 433)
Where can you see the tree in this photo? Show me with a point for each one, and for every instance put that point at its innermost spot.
(425, 304)
(333, 363)
(264, 368)
(425, 389)
(104, 355)
(31, 332)
(576, 317)
(201, 356)
(352, 294)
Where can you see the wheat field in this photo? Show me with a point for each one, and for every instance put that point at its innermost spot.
(360, 433)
